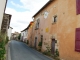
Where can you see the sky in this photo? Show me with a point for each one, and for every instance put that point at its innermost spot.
(22, 12)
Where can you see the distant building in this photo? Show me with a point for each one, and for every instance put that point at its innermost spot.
(27, 33)
(14, 36)
(9, 32)
(24, 35)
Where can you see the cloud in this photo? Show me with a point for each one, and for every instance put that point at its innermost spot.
(20, 20)
(33, 6)
(17, 5)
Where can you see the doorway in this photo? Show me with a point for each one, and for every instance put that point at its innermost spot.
(35, 43)
(53, 46)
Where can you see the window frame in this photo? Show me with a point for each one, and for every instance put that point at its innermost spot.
(37, 24)
(54, 20)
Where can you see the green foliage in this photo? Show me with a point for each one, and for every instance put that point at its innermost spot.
(57, 52)
(47, 51)
(2, 46)
(19, 36)
(2, 49)
(48, 48)
(40, 44)
(56, 55)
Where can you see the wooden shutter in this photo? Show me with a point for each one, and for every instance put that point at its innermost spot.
(77, 40)
(78, 6)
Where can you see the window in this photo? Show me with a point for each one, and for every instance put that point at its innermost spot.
(23, 34)
(77, 40)
(37, 24)
(54, 19)
(78, 6)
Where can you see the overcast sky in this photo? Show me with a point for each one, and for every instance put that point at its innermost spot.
(22, 12)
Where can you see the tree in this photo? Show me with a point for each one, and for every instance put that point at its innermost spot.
(19, 36)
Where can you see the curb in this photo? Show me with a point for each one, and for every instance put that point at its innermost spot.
(9, 55)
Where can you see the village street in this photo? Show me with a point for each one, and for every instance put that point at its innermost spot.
(20, 51)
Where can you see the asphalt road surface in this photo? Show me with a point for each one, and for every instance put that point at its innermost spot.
(20, 51)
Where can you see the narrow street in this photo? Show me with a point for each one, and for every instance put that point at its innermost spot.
(20, 51)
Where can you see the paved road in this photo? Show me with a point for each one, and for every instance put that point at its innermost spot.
(20, 51)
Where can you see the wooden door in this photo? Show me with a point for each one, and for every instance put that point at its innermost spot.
(53, 46)
(35, 44)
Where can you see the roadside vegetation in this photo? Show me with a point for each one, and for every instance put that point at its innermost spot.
(3, 41)
(19, 36)
(47, 52)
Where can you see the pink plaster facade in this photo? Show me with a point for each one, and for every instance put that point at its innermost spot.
(63, 30)
(29, 34)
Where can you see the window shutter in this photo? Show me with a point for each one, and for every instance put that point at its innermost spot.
(77, 40)
(78, 6)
